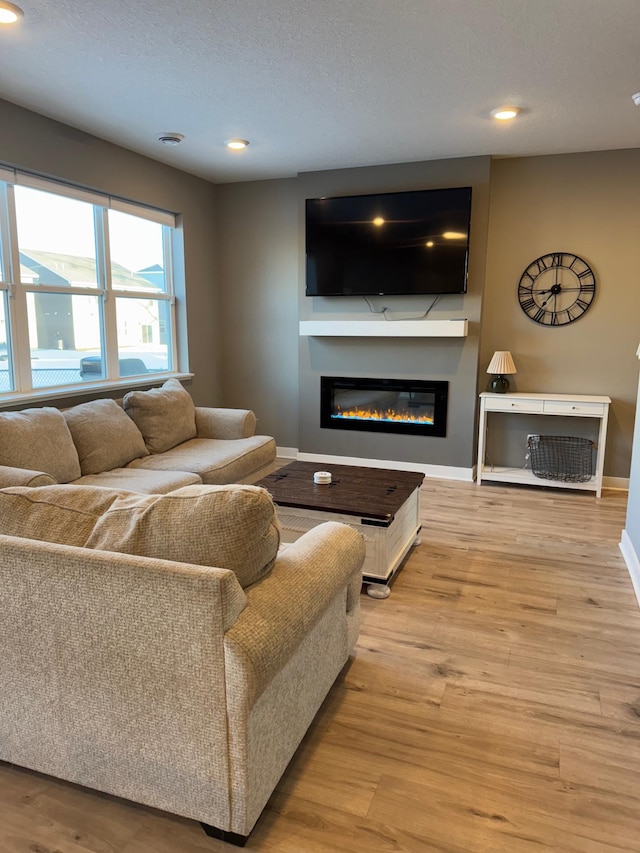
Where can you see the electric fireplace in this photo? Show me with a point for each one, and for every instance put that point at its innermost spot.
(409, 406)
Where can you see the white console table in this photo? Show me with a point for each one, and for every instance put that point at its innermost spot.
(567, 405)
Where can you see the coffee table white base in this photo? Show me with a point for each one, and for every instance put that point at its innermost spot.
(386, 545)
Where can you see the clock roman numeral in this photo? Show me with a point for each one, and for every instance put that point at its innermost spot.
(556, 259)
(554, 319)
(528, 304)
(581, 304)
(540, 263)
(539, 315)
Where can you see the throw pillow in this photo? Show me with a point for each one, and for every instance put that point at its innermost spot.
(104, 436)
(165, 416)
(39, 439)
(228, 527)
(62, 514)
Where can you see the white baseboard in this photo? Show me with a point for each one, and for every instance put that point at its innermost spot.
(632, 562)
(621, 483)
(443, 472)
(287, 452)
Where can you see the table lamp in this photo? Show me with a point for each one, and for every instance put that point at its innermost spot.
(500, 364)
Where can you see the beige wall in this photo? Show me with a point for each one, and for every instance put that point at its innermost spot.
(257, 251)
(633, 507)
(587, 204)
(33, 143)
(244, 279)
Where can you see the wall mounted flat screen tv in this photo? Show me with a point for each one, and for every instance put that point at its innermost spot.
(390, 244)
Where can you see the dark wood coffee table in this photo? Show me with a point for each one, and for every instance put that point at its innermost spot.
(383, 505)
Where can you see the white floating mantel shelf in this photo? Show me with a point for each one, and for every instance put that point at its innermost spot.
(384, 328)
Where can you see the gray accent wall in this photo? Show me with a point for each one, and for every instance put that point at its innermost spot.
(450, 359)
(260, 242)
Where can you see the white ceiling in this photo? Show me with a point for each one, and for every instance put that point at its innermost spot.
(322, 84)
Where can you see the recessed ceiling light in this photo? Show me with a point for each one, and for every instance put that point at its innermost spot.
(170, 138)
(9, 13)
(505, 113)
(237, 144)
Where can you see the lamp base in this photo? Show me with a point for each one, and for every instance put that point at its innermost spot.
(499, 384)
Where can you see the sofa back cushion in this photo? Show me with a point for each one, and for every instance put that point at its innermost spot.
(62, 514)
(104, 436)
(229, 527)
(39, 439)
(165, 416)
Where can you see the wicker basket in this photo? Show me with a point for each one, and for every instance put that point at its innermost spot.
(561, 457)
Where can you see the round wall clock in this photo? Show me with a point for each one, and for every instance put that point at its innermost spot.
(556, 289)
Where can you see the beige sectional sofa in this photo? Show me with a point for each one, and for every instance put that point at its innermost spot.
(162, 648)
(154, 442)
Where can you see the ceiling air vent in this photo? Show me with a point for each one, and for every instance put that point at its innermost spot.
(170, 138)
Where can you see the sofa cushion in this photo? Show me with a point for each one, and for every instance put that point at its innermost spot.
(165, 416)
(229, 527)
(140, 480)
(216, 461)
(104, 436)
(39, 439)
(61, 513)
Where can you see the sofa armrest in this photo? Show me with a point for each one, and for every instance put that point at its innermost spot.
(112, 673)
(286, 604)
(24, 477)
(224, 423)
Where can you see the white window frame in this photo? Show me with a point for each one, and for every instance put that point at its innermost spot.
(18, 347)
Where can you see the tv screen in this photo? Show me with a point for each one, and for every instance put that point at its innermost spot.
(390, 244)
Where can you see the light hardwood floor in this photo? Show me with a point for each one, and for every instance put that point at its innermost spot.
(492, 706)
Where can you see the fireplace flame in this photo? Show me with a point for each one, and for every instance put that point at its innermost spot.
(382, 415)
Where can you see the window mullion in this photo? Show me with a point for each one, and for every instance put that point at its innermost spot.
(109, 320)
(18, 315)
(170, 289)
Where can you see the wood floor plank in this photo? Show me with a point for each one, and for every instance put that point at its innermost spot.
(492, 705)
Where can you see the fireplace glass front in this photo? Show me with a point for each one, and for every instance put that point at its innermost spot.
(409, 406)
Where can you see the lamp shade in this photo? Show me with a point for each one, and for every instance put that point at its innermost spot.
(501, 363)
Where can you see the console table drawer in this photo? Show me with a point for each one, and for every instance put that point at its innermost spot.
(508, 404)
(559, 407)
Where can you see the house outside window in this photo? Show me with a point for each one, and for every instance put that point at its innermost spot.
(86, 288)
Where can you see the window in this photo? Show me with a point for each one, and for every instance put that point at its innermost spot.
(86, 287)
